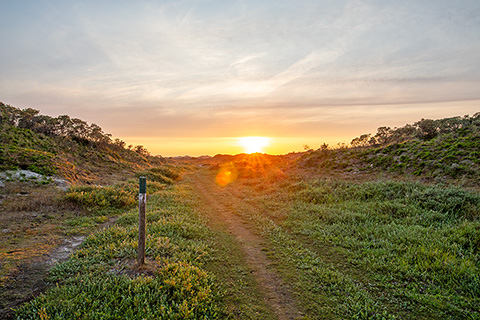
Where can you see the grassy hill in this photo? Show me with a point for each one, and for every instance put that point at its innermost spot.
(434, 150)
(64, 146)
(39, 221)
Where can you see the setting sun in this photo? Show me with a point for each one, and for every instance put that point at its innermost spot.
(253, 144)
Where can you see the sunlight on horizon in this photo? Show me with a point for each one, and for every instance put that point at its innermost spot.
(253, 144)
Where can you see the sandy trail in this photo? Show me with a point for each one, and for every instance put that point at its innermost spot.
(276, 294)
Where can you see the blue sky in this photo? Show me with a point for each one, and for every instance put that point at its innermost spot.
(186, 77)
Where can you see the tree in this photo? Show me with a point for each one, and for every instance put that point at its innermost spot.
(10, 115)
(383, 135)
(307, 148)
(324, 146)
(362, 141)
(27, 118)
(427, 128)
(63, 125)
(141, 150)
(119, 143)
(402, 134)
(46, 125)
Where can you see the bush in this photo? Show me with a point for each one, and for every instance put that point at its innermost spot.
(41, 162)
(153, 176)
(168, 172)
(102, 197)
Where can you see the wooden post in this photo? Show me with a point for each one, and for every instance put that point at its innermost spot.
(142, 201)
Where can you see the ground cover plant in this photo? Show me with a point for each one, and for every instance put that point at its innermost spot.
(415, 246)
(100, 281)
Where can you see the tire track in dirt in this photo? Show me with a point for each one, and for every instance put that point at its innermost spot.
(276, 293)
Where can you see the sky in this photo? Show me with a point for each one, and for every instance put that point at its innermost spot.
(190, 77)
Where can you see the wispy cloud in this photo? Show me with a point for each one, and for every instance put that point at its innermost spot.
(301, 67)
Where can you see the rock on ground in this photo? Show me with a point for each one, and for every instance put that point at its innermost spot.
(23, 175)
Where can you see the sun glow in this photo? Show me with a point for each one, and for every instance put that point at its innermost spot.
(253, 144)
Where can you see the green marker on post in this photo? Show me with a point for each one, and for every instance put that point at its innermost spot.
(143, 185)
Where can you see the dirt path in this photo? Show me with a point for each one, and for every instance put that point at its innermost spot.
(276, 293)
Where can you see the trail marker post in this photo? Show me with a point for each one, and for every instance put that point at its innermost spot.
(142, 202)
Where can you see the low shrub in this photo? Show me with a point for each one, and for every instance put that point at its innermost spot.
(169, 172)
(42, 162)
(155, 177)
(102, 197)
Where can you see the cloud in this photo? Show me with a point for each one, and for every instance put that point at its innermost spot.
(174, 68)
(301, 67)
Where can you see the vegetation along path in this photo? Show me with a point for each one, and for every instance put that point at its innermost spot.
(219, 209)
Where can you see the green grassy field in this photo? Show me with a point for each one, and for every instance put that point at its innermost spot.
(372, 250)
(379, 249)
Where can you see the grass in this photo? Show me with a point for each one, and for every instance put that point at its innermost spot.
(194, 269)
(13, 157)
(241, 294)
(448, 157)
(381, 249)
(100, 281)
(373, 250)
(119, 196)
(414, 242)
(241, 298)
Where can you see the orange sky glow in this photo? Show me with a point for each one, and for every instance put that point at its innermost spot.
(193, 77)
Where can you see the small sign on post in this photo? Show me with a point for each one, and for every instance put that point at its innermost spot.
(142, 201)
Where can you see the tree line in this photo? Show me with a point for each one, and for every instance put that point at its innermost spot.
(63, 126)
(425, 129)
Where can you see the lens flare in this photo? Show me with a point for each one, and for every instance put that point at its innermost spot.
(253, 144)
(227, 174)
